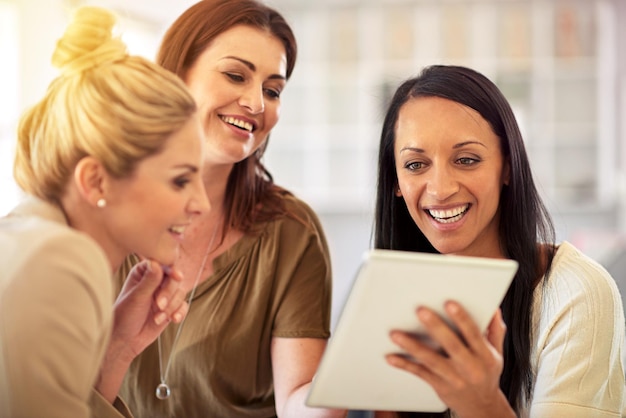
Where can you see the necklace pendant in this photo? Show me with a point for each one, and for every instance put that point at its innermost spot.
(163, 391)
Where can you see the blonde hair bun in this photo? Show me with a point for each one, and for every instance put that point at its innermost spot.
(116, 107)
(88, 41)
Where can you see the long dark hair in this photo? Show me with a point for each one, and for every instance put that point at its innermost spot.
(525, 223)
(250, 184)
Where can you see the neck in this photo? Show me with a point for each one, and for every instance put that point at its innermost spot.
(215, 178)
(85, 218)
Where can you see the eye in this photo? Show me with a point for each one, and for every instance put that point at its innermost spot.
(181, 182)
(272, 93)
(414, 165)
(235, 77)
(467, 160)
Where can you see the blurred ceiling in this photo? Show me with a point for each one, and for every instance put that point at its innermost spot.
(158, 12)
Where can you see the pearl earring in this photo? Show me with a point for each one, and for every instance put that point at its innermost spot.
(101, 203)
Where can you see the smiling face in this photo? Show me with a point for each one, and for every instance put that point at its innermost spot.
(450, 172)
(147, 213)
(237, 81)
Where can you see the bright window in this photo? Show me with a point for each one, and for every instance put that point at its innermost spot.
(9, 77)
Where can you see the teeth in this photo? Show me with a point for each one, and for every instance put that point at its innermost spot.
(177, 229)
(238, 123)
(448, 216)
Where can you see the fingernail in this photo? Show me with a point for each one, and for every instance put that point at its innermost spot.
(392, 360)
(178, 317)
(162, 302)
(424, 314)
(160, 318)
(452, 307)
(394, 335)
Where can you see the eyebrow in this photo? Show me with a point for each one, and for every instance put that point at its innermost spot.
(189, 167)
(455, 146)
(462, 144)
(252, 67)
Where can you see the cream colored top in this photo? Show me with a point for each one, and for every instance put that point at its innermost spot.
(56, 295)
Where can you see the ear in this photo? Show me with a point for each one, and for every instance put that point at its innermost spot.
(89, 178)
(506, 172)
(398, 192)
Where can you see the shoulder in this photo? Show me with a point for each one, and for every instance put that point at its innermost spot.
(297, 206)
(574, 271)
(55, 312)
(580, 289)
(299, 214)
(298, 231)
(36, 229)
(41, 248)
(578, 334)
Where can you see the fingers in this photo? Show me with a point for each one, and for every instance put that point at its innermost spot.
(421, 356)
(144, 278)
(445, 344)
(174, 309)
(410, 364)
(464, 348)
(170, 297)
(180, 313)
(467, 328)
(158, 286)
(466, 369)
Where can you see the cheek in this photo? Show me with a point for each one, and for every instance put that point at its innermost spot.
(411, 196)
(488, 186)
(410, 188)
(272, 115)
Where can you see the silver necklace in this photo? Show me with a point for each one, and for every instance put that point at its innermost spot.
(163, 391)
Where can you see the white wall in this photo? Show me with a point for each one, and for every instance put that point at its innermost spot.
(309, 150)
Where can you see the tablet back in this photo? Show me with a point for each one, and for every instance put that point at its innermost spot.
(389, 286)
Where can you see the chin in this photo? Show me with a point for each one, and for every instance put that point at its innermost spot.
(448, 248)
(165, 257)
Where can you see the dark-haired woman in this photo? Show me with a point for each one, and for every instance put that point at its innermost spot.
(454, 178)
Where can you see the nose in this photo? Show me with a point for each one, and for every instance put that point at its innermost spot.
(441, 183)
(253, 100)
(199, 202)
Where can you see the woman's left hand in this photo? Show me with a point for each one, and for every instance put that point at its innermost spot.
(150, 299)
(465, 371)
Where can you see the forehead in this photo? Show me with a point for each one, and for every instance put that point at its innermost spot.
(251, 44)
(436, 117)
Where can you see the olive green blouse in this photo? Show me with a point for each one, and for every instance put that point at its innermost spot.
(275, 283)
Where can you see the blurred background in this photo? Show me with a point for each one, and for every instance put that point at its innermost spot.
(561, 64)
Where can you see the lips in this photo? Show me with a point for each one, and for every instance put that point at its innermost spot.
(446, 216)
(177, 232)
(239, 123)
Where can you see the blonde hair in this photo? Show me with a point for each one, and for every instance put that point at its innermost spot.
(105, 103)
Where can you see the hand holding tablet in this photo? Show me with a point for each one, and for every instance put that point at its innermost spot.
(389, 286)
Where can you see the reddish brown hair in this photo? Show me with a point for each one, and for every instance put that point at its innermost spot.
(251, 195)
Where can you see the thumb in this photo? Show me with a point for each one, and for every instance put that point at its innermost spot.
(496, 331)
(144, 277)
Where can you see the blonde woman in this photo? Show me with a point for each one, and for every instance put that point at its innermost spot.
(110, 161)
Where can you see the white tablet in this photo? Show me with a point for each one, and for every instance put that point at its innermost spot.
(389, 286)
